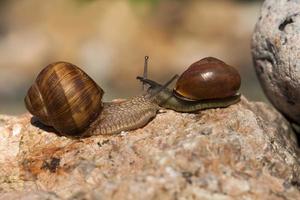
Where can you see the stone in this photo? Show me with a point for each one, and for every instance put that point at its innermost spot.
(245, 151)
(276, 50)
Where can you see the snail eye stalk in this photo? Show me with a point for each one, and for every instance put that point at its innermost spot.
(145, 74)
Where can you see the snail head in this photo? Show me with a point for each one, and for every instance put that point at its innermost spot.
(154, 88)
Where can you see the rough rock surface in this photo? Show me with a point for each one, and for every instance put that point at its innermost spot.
(276, 54)
(245, 151)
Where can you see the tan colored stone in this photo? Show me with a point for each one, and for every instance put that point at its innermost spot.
(245, 151)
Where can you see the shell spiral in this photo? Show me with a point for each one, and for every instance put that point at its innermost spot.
(64, 97)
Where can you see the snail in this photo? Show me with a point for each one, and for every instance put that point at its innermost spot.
(207, 83)
(64, 97)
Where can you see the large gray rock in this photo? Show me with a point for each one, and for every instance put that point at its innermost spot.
(276, 55)
(245, 151)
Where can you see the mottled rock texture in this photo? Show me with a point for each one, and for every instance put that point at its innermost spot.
(245, 151)
(276, 55)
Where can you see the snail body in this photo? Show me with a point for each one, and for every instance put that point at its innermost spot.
(128, 115)
(168, 100)
(66, 98)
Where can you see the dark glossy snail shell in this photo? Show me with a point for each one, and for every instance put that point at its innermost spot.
(209, 78)
(64, 97)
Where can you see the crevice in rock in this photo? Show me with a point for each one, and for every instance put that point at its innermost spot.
(274, 52)
(52, 165)
(288, 94)
(287, 21)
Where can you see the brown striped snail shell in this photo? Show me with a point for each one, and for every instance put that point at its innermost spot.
(64, 97)
(209, 78)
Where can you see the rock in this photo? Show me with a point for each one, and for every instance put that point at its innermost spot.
(245, 151)
(276, 50)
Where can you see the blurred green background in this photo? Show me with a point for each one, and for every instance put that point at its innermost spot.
(109, 40)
